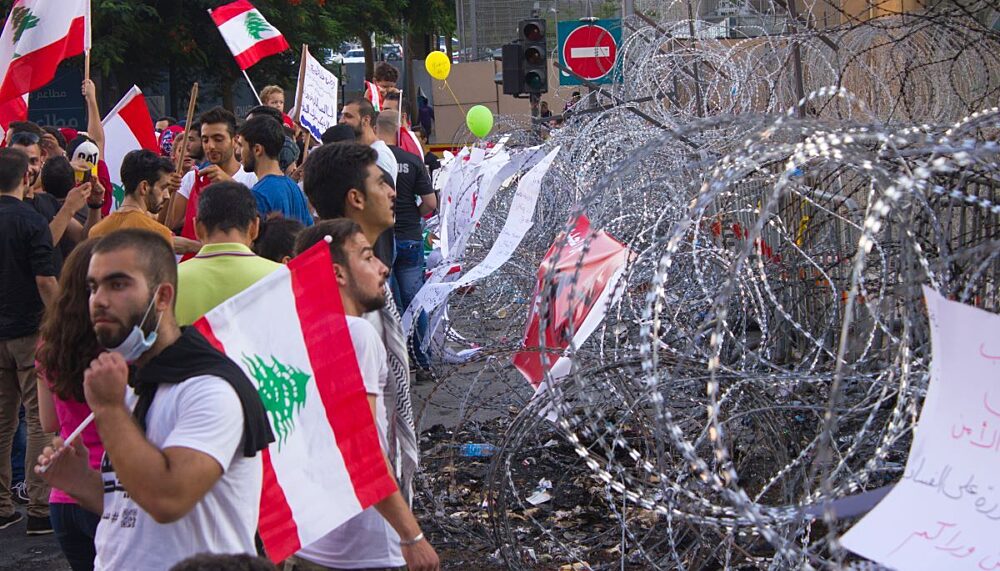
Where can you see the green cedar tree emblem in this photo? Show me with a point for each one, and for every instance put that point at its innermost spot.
(23, 20)
(256, 25)
(282, 390)
(117, 195)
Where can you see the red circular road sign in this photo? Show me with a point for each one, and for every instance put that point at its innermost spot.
(590, 51)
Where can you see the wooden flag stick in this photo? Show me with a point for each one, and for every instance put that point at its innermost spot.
(86, 65)
(301, 85)
(192, 103)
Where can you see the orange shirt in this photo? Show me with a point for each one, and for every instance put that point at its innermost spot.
(131, 219)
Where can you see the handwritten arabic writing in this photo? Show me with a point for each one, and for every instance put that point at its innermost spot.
(943, 483)
(319, 98)
(948, 537)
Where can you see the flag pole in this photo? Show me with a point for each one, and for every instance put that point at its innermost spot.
(86, 65)
(300, 87)
(192, 103)
(252, 88)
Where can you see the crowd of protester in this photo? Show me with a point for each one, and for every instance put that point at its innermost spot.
(97, 294)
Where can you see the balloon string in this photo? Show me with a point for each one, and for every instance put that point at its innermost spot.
(460, 108)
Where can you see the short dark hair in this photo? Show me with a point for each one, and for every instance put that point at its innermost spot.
(25, 127)
(195, 126)
(143, 165)
(277, 238)
(333, 170)
(384, 71)
(225, 206)
(419, 131)
(264, 131)
(219, 115)
(394, 96)
(365, 109)
(339, 133)
(155, 253)
(339, 229)
(58, 177)
(13, 167)
(265, 110)
(55, 132)
(171, 121)
(209, 562)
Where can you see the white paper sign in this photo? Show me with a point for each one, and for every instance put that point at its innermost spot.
(318, 100)
(519, 221)
(945, 512)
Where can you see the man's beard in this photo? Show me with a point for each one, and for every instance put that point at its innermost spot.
(250, 163)
(372, 303)
(118, 339)
(358, 132)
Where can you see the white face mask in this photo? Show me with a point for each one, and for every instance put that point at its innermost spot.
(137, 342)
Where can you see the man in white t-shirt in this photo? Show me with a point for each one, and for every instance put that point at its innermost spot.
(181, 473)
(387, 535)
(218, 141)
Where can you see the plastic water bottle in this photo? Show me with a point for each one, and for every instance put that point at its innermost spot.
(484, 450)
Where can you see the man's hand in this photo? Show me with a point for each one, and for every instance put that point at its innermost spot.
(89, 90)
(104, 382)
(215, 173)
(78, 197)
(421, 557)
(63, 465)
(174, 184)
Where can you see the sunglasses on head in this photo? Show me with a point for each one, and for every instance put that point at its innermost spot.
(25, 139)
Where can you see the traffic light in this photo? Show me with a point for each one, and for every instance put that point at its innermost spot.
(512, 76)
(535, 72)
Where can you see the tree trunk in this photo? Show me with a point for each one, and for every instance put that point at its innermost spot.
(415, 50)
(366, 44)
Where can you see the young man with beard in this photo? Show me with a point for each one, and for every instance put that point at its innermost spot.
(261, 140)
(360, 116)
(218, 141)
(146, 178)
(385, 536)
(343, 181)
(182, 433)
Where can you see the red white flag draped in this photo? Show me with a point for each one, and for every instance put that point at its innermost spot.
(37, 37)
(249, 36)
(289, 335)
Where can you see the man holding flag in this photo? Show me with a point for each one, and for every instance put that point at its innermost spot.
(182, 445)
(385, 536)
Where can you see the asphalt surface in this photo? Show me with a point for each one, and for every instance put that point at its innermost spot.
(21, 552)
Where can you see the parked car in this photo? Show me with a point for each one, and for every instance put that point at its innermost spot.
(356, 55)
(392, 52)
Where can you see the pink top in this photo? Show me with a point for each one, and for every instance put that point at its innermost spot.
(71, 413)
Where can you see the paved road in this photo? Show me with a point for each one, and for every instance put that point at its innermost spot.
(21, 552)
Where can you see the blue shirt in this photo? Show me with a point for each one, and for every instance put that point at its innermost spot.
(280, 194)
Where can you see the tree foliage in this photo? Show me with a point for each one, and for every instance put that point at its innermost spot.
(146, 42)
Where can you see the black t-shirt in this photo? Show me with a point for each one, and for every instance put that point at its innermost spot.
(411, 181)
(25, 252)
(432, 162)
(48, 206)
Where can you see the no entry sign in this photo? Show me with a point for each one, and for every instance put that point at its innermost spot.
(590, 49)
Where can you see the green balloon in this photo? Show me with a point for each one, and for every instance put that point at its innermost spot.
(480, 120)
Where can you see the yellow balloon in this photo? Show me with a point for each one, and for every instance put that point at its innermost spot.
(438, 65)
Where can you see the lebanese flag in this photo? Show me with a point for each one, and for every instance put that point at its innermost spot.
(127, 127)
(409, 142)
(289, 335)
(37, 37)
(14, 110)
(249, 36)
(374, 95)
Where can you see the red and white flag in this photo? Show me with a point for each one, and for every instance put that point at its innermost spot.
(127, 127)
(37, 36)
(289, 335)
(249, 36)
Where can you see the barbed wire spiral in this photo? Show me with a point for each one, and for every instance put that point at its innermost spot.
(768, 352)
